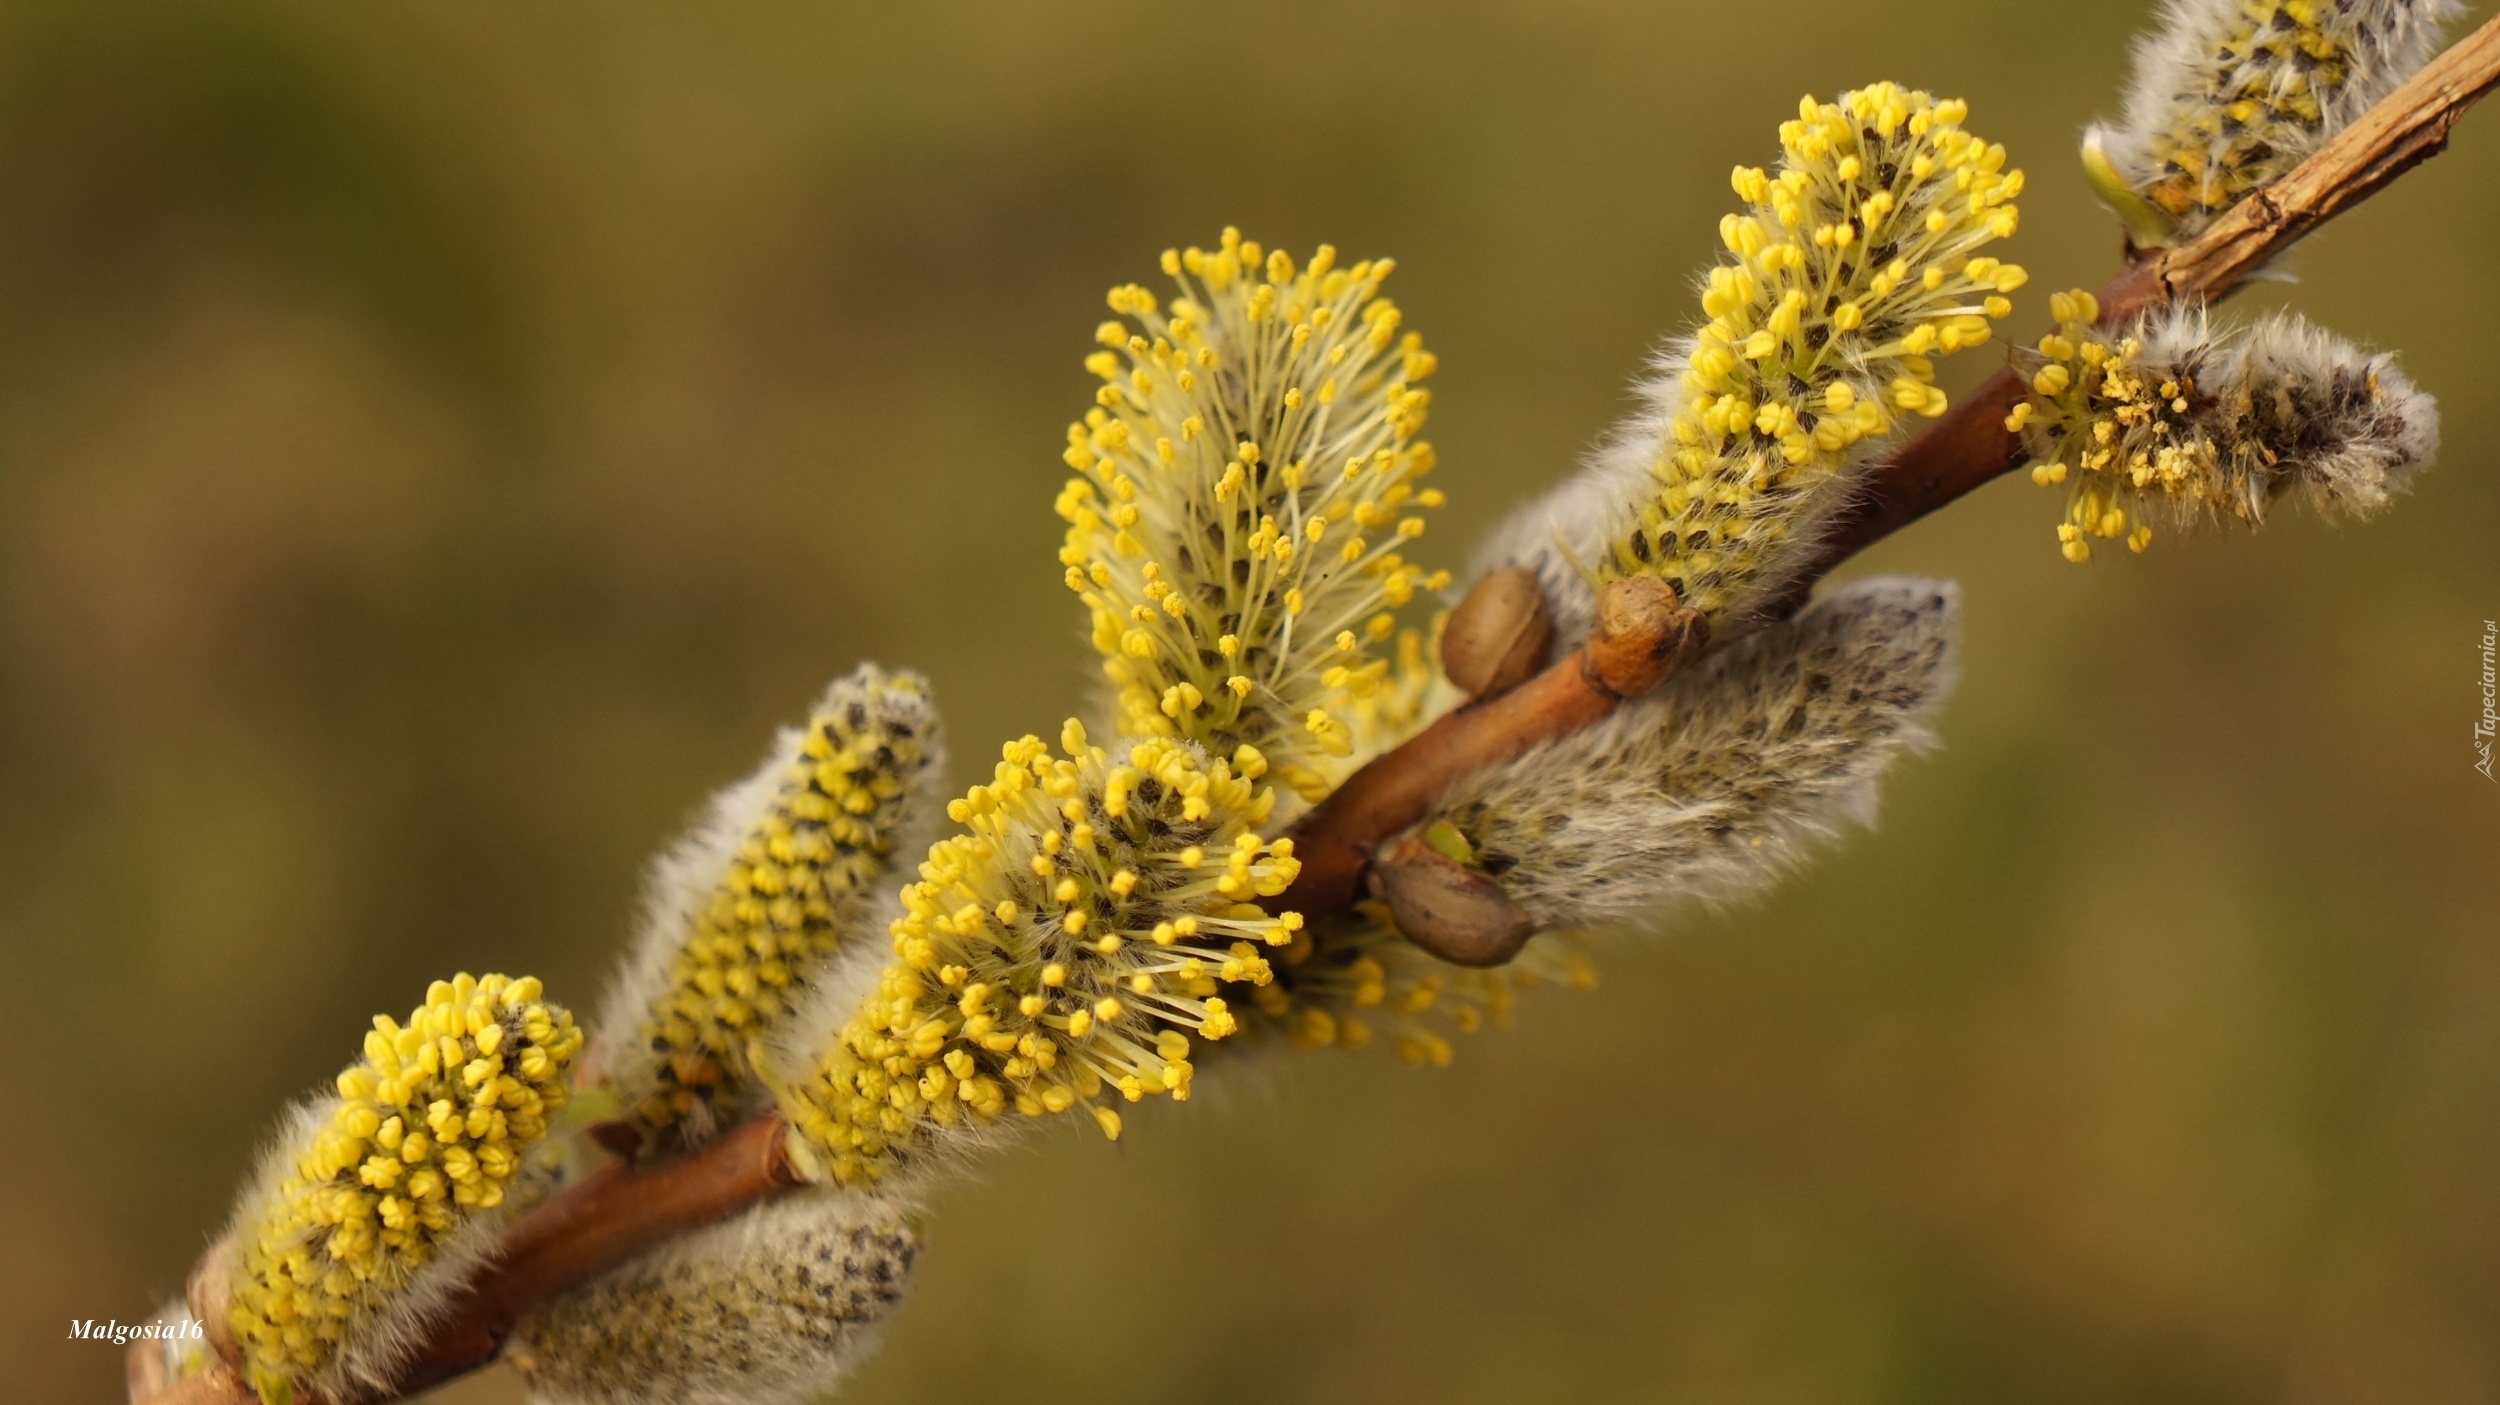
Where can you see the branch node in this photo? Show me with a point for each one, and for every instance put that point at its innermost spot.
(1644, 633)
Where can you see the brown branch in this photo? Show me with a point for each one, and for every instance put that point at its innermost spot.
(618, 1213)
(2409, 127)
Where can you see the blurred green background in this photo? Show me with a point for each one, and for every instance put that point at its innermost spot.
(439, 443)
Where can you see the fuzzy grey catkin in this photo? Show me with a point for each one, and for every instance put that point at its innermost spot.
(742, 914)
(1720, 781)
(2229, 95)
(773, 1307)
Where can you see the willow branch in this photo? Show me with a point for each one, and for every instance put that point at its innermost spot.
(619, 1213)
(608, 1219)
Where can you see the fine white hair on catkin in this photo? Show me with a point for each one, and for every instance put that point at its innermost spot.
(2228, 95)
(1564, 534)
(395, 1326)
(378, 1200)
(741, 916)
(773, 1307)
(1722, 780)
(2346, 427)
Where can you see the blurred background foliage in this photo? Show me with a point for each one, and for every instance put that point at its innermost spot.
(439, 443)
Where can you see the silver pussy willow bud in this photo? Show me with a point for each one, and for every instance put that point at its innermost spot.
(777, 1305)
(1721, 780)
(1250, 487)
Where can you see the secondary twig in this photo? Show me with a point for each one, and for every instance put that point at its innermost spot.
(1970, 445)
(617, 1214)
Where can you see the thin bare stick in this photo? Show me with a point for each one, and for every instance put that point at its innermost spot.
(617, 1214)
(2409, 127)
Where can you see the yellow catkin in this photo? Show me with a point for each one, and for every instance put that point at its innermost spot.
(425, 1133)
(1249, 486)
(1061, 952)
(797, 884)
(2107, 429)
(1847, 273)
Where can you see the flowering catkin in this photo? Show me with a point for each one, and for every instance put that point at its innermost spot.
(1722, 779)
(743, 913)
(2175, 417)
(377, 1202)
(1847, 273)
(2229, 95)
(1063, 948)
(1249, 486)
(770, 1308)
